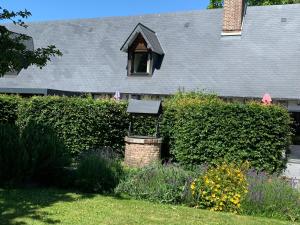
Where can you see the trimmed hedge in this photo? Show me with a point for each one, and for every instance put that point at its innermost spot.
(197, 128)
(82, 123)
(210, 129)
(8, 108)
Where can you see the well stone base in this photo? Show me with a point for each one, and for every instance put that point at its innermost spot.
(142, 151)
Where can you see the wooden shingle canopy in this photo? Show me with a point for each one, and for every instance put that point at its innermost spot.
(144, 107)
(139, 44)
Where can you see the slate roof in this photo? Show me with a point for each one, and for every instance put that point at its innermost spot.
(266, 58)
(149, 36)
(144, 107)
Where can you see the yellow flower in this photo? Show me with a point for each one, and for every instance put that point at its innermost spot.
(206, 180)
(235, 200)
(193, 186)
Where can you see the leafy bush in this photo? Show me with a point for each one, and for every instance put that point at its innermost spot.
(271, 196)
(82, 123)
(98, 171)
(221, 188)
(171, 108)
(144, 125)
(206, 130)
(46, 153)
(13, 157)
(157, 183)
(197, 128)
(36, 155)
(9, 108)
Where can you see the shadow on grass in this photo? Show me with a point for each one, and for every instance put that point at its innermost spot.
(19, 204)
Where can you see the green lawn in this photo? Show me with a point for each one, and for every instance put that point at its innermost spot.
(49, 206)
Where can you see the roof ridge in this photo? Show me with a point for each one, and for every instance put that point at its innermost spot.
(276, 6)
(140, 24)
(104, 18)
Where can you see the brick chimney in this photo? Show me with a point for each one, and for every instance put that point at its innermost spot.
(233, 17)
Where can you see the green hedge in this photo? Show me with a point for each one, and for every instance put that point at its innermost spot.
(196, 128)
(8, 108)
(211, 129)
(82, 123)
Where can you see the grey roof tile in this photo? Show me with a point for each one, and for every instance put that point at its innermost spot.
(265, 59)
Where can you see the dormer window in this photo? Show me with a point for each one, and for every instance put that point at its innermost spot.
(144, 51)
(139, 57)
(140, 62)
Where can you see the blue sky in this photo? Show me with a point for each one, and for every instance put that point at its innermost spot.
(71, 9)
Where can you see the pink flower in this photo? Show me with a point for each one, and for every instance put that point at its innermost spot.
(267, 100)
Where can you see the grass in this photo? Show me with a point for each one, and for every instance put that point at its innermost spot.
(50, 206)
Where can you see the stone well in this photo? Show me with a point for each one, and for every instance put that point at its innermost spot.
(142, 151)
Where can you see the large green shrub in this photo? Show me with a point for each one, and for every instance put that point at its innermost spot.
(82, 123)
(35, 155)
(13, 157)
(171, 107)
(157, 183)
(46, 154)
(9, 108)
(206, 130)
(98, 171)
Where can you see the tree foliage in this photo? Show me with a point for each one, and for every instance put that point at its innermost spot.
(214, 4)
(14, 55)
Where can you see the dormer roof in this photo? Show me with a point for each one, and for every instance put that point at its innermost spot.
(149, 36)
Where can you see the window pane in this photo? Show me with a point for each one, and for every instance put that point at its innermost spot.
(140, 62)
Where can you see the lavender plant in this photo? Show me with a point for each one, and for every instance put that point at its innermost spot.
(272, 196)
(158, 183)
